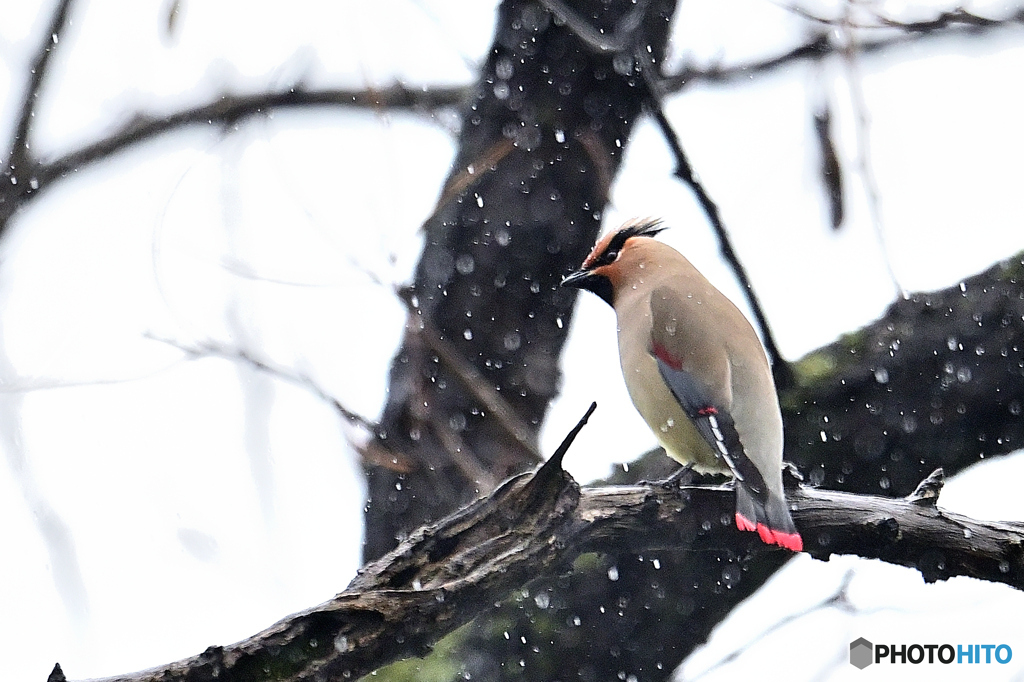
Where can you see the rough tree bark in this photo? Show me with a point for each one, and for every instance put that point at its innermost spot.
(537, 523)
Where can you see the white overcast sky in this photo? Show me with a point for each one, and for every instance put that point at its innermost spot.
(152, 505)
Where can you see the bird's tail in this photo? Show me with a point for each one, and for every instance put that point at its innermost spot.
(769, 516)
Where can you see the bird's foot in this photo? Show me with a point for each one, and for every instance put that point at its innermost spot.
(681, 476)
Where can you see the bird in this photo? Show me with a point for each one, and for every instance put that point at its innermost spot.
(695, 370)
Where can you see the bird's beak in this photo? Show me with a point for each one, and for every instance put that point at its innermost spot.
(578, 280)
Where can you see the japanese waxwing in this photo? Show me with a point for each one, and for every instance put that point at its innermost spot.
(695, 370)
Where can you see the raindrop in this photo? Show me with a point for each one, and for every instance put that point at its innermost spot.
(656, 563)
(963, 375)
(670, 327)
(341, 644)
(417, 585)
(576, 621)
(542, 600)
(967, 533)
(559, 136)
(468, 335)
(33, 183)
(465, 264)
(479, 201)
(883, 483)
(512, 341)
(613, 573)
(502, 236)
(1004, 566)
(706, 525)
(1014, 408)
(623, 64)
(730, 575)
(882, 375)
(625, 467)
(53, 37)
(824, 437)
(501, 91)
(503, 68)
(457, 422)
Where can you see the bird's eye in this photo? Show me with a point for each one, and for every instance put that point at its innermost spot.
(611, 256)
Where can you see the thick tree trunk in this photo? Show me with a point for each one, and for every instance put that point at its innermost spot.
(541, 140)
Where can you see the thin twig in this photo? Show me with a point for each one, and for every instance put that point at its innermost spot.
(369, 449)
(957, 17)
(819, 46)
(839, 599)
(18, 153)
(211, 349)
(780, 367)
(472, 379)
(863, 136)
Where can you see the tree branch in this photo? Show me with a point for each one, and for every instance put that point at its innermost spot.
(536, 524)
(17, 154)
(223, 113)
(820, 45)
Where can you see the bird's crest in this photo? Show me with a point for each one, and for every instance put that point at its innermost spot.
(608, 247)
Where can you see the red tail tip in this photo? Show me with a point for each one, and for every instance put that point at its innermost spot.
(743, 523)
(791, 541)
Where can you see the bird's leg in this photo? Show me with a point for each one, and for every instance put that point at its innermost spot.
(681, 476)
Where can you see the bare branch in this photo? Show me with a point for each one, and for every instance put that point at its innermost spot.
(18, 152)
(369, 450)
(780, 368)
(851, 64)
(535, 524)
(839, 599)
(212, 349)
(820, 45)
(222, 113)
(954, 18)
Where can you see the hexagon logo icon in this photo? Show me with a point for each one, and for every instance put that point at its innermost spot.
(861, 653)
